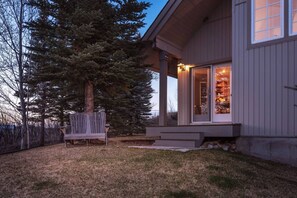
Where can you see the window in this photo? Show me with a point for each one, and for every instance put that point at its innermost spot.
(267, 20)
(293, 17)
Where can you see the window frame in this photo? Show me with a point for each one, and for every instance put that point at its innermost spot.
(252, 25)
(291, 33)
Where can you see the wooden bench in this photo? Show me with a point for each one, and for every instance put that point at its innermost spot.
(87, 127)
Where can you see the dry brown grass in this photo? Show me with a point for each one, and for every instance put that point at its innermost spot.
(118, 171)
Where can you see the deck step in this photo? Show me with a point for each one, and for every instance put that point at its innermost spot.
(177, 143)
(182, 135)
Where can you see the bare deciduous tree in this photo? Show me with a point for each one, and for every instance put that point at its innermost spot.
(14, 37)
(7, 116)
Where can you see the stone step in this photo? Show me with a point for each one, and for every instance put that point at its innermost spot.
(182, 136)
(177, 143)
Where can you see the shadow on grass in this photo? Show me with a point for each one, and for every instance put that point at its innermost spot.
(180, 194)
(214, 168)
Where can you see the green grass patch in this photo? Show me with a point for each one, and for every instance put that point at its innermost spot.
(44, 185)
(90, 160)
(262, 166)
(214, 168)
(247, 173)
(145, 158)
(223, 182)
(180, 194)
(288, 180)
(159, 157)
(241, 158)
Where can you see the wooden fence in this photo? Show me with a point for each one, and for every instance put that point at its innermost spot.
(11, 139)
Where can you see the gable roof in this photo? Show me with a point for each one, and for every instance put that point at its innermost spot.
(177, 22)
(161, 19)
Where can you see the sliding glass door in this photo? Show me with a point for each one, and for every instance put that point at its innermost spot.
(211, 94)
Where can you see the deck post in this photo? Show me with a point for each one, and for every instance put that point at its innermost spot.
(163, 88)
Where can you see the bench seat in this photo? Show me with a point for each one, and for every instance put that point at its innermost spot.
(100, 136)
(87, 126)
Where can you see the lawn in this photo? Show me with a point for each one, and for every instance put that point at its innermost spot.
(118, 171)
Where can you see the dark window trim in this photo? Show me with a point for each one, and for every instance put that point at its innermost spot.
(286, 37)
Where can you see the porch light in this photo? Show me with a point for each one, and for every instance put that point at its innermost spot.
(181, 67)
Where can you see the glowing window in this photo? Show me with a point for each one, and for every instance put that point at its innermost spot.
(267, 20)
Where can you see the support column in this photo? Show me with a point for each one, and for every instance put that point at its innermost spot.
(163, 88)
(184, 97)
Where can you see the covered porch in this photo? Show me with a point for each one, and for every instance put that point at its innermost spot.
(192, 34)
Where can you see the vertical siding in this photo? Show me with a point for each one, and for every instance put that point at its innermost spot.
(184, 98)
(295, 74)
(212, 41)
(278, 90)
(291, 94)
(260, 102)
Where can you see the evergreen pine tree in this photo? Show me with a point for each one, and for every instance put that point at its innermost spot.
(94, 46)
(130, 19)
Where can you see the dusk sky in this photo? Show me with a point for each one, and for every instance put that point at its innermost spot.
(152, 13)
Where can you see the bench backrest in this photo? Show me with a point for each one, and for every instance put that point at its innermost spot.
(83, 123)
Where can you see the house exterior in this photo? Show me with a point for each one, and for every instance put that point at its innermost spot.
(233, 60)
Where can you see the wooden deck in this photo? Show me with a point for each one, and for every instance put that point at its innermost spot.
(209, 130)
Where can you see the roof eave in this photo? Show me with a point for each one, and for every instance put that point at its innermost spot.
(161, 20)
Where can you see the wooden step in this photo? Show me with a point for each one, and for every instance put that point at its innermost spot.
(177, 143)
(182, 135)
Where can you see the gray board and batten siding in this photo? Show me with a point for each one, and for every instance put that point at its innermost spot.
(260, 102)
(210, 44)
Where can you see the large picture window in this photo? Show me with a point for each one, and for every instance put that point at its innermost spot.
(267, 20)
(293, 17)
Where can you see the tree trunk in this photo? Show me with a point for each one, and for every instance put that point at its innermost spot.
(89, 97)
(24, 127)
(43, 116)
(21, 76)
(62, 123)
(42, 129)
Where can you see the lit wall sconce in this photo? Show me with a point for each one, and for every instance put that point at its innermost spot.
(181, 66)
